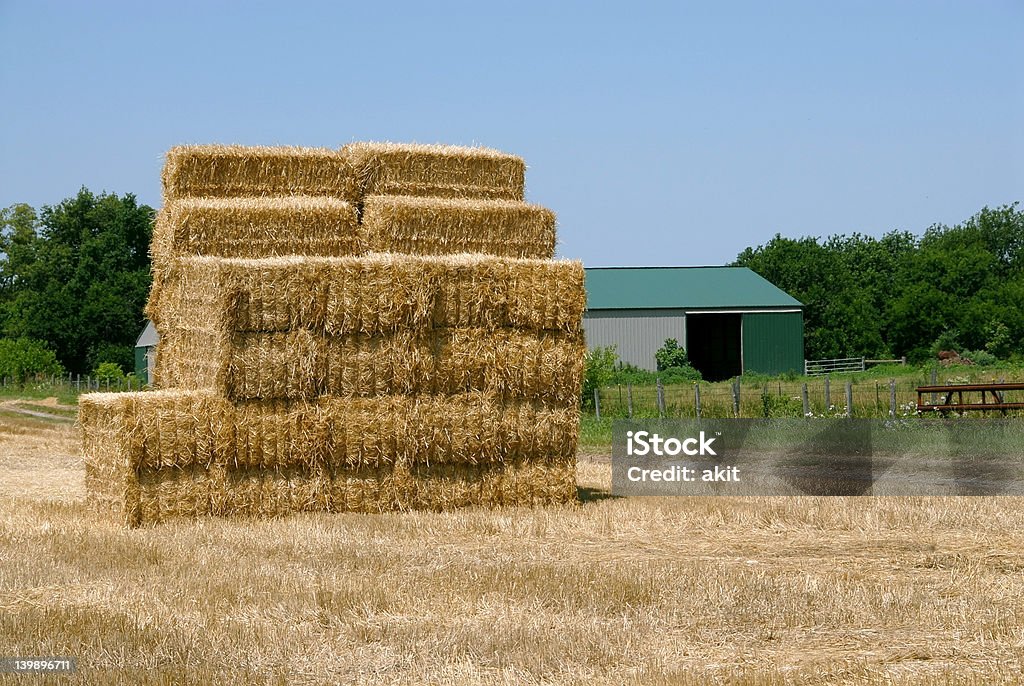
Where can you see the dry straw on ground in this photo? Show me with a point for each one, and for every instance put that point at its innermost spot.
(440, 226)
(157, 454)
(256, 227)
(436, 170)
(618, 591)
(302, 364)
(373, 294)
(234, 170)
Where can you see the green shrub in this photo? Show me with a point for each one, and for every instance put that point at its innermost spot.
(949, 339)
(781, 406)
(673, 375)
(599, 371)
(25, 358)
(670, 356)
(109, 373)
(630, 374)
(998, 339)
(982, 358)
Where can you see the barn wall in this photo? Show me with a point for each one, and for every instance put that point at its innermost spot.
(773, 342)
(636, 334)
(141, 364)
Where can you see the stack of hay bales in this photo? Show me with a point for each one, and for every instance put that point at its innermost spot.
(373, 329)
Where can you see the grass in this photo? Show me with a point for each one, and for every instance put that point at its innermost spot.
(762, 396)
(65, 395)
(595, 433)
(612, 591)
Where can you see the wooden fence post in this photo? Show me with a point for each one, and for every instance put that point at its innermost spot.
(892, 398)
(807, 401)
(661, 399)
(935, 381)
(849, 398)
(597, 405)
(736, 398)
(696, 399)
(828, 396)
(629, 398)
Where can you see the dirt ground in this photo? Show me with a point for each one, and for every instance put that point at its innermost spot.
(785, 590)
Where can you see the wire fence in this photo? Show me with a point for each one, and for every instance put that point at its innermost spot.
(817, 397)
(813, 397)
(72, 383)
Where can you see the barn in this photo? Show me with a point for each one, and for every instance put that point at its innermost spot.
(145, 353)
(730, 320)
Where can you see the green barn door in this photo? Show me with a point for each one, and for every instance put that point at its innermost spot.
(773, 342)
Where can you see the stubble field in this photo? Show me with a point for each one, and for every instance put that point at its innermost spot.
(798, 590)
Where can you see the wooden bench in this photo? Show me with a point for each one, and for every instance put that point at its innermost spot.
(995, 390)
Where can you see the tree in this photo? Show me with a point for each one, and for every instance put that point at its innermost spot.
(24, 358)
(79, 277)
(18, 246)
(895, 295)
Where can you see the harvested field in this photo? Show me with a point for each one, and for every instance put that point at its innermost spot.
(546, 366)
(436, 170)
(373, 294)
(441, 226)
(256, 227)
(692, 591)
(234, 170)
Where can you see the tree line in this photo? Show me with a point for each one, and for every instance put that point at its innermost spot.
(74, 278)
(954, 287)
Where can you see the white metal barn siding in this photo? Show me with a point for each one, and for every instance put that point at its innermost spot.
(636, 334)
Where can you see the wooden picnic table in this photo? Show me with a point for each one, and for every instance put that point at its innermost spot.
(996, 390)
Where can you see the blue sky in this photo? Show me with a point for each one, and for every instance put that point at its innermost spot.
(661, 133)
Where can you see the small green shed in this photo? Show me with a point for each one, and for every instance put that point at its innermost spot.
(145, 353)
(730, 320)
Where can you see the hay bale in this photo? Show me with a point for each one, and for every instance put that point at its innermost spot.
(126, 433)
(298, 364)
(193, 492)
(439, 226)
(159, 455)
(373, 294)
(256, 227)
(233, 170)
(436, 170)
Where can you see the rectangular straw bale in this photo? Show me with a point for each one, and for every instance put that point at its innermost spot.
(440, 226)
(227, 171)
(168, 494)
(373, 294)
(299, 364)
(436, 170)
(158, 455)
(126, 433)
(256, 227)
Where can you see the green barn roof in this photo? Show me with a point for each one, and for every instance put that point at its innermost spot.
(682, 287)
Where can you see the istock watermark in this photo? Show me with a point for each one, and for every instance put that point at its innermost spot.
(643, 443)
(817, 457)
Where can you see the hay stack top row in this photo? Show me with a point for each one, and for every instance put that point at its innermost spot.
(350, 173)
